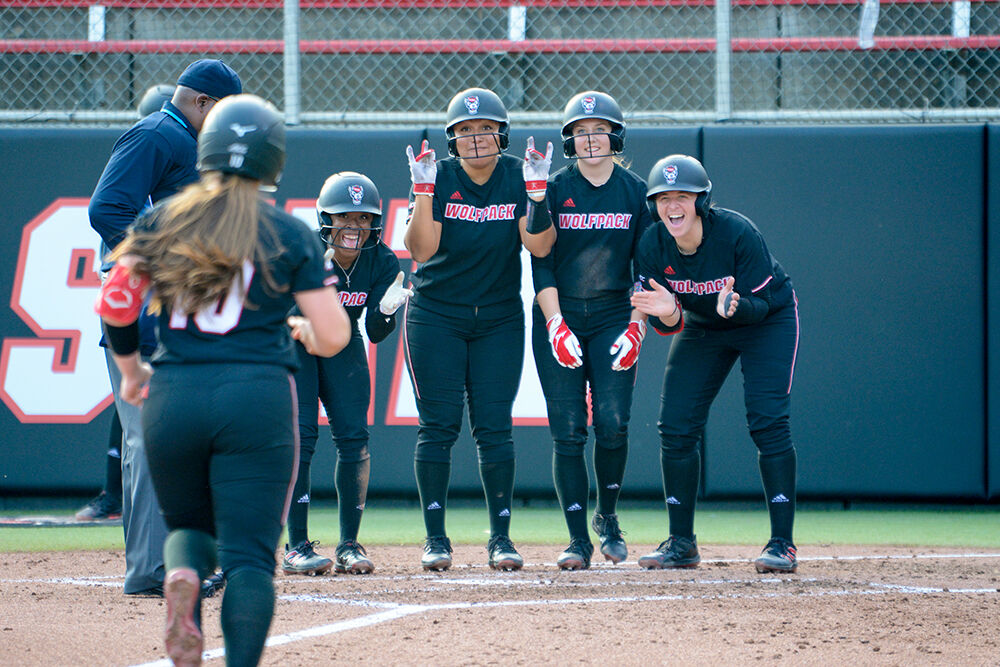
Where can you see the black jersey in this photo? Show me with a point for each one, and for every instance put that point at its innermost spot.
(597, 231)
(731, 246)
(363, 284)
(478, 262)
(251, 329)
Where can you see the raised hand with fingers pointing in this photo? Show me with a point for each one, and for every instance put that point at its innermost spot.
(536, 169)
(423, 169)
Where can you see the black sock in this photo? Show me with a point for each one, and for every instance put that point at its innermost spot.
(432, 485)
(113, 471)
(247, 608)
(573, 489)
(498, 485)
(609, 468)
(777, 472)
(352, 490)
(681, 476)
(194, 549)
(298, 512)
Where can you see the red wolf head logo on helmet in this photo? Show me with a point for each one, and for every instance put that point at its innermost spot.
(357, 194)
(472, 103)
(588, 103)
(670, 173)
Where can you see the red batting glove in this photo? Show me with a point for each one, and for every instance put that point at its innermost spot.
(565, 347)
(627, 346)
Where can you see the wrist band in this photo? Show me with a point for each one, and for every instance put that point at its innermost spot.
(538, 216)
(123, 340)
(423, 188)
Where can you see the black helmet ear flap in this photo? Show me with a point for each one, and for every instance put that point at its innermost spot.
(679, 173)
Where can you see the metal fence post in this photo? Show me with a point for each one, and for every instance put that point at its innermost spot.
(723, 65)
(293, 89)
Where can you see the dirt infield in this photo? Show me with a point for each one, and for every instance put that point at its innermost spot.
(892, 606)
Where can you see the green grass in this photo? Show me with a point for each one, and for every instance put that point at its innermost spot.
(644, 523)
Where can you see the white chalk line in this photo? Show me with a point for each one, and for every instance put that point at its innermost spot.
(392, 611)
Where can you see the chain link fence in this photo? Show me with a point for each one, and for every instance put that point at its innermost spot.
(398, 62)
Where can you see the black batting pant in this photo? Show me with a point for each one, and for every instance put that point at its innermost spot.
(697, 366)
(596, 323)
(456, 352)
(343, 383)
(222, 445)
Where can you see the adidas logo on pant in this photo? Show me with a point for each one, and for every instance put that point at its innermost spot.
(673, 501)
(575, 507)
(434, 506)
(303, 499)
(504, 512)
(780, 498)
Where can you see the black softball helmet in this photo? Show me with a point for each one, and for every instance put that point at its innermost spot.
(679, 172)
(154, 98)
(244, 135)
(347, 192)
(593, 104)
(474, 103)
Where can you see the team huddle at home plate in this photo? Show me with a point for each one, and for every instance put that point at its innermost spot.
(229, 321)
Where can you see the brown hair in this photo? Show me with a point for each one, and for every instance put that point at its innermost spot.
(200, 241)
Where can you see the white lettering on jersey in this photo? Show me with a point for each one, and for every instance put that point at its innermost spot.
(492, 213)
(594, 220)
(691, 287)
(353, 298)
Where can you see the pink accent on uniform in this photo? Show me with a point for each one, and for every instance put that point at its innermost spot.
(406, 348)
(761, 286)
(295, 435)
(795, 354)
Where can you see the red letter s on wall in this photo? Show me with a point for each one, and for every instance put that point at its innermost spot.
(60, 376)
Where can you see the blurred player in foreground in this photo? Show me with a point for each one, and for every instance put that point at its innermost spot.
(222, 268)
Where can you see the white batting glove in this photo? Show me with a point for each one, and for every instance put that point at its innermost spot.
(565, 346)
(536, 169)
(423, 169)
(627, 346)
(395, 296)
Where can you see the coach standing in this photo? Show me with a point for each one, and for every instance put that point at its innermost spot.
(154, 159)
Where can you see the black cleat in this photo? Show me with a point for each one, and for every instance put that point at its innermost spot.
(612, 545)
(101, 508)
(212, 584)
(303, 559)
(577, 555)
(352, 559)
(673, 552)
(777, 556)
(437, 553)
(503, 555)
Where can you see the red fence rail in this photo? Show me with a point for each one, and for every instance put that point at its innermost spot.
(533, 46)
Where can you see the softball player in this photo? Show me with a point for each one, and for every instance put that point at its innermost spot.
(584, 330)
(710, 279)
(464, 331)
(223, 268)
(350, 217)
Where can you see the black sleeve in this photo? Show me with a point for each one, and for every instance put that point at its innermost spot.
(543, 271)
(122, 340)
(648, 264)
(754, 275)
(378, 325)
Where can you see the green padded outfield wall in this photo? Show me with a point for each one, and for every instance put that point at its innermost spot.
(889, 394)
(881, 231)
